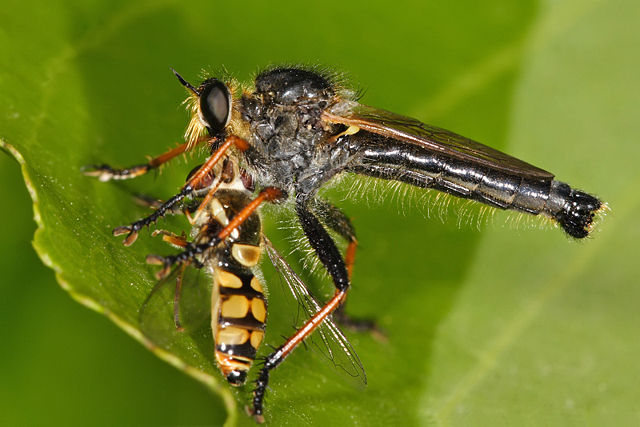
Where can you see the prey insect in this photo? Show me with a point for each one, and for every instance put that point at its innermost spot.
(281, 140)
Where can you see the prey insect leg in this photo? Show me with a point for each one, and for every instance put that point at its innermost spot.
(193, 183)
(106, 173)
(172, 238)
(330, 257)
(191, 250)
(176, 300)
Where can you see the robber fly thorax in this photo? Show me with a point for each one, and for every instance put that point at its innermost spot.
(285, 137)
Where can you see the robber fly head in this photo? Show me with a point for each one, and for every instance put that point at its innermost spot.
(212, 104)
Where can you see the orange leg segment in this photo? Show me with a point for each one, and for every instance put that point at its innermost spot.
(196, 181)
(172, 238)
(282, 352)
(107, 173)
(350, 256)
(266, 195)
(337, 299)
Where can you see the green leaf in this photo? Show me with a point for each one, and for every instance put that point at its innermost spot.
(500, 326)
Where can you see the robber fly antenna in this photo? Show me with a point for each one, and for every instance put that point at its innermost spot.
(186, 83)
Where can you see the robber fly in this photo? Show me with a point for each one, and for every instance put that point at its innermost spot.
(282, 139)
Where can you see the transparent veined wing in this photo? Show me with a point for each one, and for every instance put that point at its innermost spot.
(179, 321)
(327, 337)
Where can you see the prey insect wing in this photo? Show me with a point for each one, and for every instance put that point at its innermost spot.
(329, 338)
(166, 316)
(433, 138)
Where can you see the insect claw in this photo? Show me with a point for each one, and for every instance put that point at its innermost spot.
(379, 335)
(104, 173)
(125, 229)
(163, 273)
(130, 238)
(155, 260)
(168, 263)
(258, 418)
(158, 260)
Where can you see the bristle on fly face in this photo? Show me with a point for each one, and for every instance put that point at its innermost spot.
(195, 129)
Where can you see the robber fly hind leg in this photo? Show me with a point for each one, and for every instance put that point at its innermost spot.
(336, 220)
(330, 256)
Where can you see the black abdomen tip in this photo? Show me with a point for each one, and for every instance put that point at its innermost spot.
(575, 210)
(236, 377)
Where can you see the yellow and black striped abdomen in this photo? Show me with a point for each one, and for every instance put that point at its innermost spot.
(238, 321)
(239, 305)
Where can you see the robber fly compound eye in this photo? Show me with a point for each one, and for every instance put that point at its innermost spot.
(215, 105)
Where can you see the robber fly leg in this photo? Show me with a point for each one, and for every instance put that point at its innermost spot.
(106, 173)
(191, 250)
(330, 256)
(333, 218)
(132, 230)
(193, 183)
(147, 201)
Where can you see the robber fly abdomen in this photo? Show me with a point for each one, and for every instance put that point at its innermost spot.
(535, 192)
(238, 303)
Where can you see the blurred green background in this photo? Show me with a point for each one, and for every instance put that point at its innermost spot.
(506, 325)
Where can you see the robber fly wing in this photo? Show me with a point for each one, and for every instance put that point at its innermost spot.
(330, 339)
(429, 137)
(166, 315)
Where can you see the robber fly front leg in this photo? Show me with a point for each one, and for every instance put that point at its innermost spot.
(192, 250)
(107, 173)
(195, 182)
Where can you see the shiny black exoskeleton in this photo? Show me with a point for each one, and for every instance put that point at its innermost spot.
(294, 149)
(288, 138)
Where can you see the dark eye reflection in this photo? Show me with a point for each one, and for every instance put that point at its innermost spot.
(215, 107)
